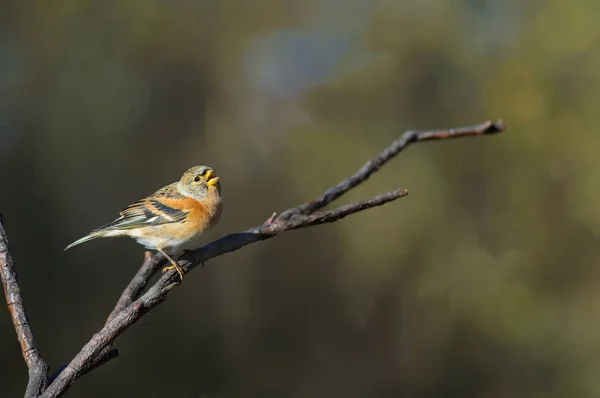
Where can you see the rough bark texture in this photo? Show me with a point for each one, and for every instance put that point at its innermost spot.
(38, 369)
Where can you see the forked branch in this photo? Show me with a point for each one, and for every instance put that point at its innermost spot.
(132, 304)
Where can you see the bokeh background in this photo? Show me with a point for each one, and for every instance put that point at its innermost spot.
(484, 282)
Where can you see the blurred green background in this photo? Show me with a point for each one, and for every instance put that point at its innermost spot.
(482, 283)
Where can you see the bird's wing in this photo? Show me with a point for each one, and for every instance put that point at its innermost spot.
(165, 206)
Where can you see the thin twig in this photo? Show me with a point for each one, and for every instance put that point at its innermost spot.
(305, 215)
(38, 369)
(335, 214)
(388, 153)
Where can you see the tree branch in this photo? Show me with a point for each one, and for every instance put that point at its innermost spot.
(38, 369)
(133, 290)
(131, 306)
(487, 127)
(159, 291)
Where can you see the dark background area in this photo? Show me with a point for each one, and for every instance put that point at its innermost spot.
(482, 283)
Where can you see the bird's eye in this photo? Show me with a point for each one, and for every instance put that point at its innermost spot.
(196, 179)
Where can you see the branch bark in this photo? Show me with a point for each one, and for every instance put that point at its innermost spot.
(132, 304)
(38, 369)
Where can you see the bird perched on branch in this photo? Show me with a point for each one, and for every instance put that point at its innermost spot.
(169, 217)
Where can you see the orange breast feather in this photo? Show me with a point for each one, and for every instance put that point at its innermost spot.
(198, 216)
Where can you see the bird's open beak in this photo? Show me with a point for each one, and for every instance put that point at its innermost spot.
(211, 179)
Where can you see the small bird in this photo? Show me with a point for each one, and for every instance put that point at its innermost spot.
(169, 217)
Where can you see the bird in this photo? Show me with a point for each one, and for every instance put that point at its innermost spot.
(171, 216)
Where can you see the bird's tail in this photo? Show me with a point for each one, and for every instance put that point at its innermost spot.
(92, 235)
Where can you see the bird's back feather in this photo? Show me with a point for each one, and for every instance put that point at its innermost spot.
(147, 212)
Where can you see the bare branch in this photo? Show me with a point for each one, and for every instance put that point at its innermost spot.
(133, 290)
(149, 267)
(38, 369)
(336, 214)
(130, 308)
(388, 153)
(158, 293)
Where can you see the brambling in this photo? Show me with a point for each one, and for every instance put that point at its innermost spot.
(169, 217)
